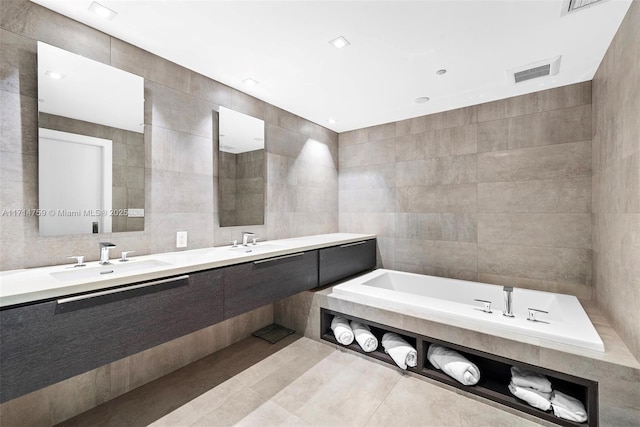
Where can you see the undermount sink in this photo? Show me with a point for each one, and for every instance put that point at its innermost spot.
(254, 249)
(79, 273)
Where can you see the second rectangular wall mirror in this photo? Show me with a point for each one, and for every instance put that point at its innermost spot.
(241, 171)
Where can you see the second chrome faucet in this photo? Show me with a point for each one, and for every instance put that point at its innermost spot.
(104, 252)
(508, 301)
(245, 237)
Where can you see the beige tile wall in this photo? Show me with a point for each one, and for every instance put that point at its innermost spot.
(616, 181)
(180, 189)
(499, 192)
(180, 149)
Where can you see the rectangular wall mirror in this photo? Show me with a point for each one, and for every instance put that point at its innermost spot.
(90, 145)
(241, 169)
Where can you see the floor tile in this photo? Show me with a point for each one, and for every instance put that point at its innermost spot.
(235, 408)
(351, 396)
(296, 382)
(271, 414)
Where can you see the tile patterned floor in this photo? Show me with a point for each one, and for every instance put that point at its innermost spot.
(297, 382)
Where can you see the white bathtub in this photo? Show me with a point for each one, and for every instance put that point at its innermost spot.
(452, 301)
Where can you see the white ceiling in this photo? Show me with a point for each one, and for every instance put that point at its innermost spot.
(396, 48)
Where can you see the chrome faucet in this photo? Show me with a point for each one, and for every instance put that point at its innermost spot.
(508, 301)
(104, 252)
(245, 237)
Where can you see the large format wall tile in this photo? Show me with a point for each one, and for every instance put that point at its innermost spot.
(38, 23)
(556, 161)
(460, 227)
(19, 64)
(432, 122)
(363, 177)
(152, 67)
(371, 153)
(283, 141)
(175, 110)
(368, 200)
(617, 187)
(190, 192)
(440, 143)
(173, 150)
(544, 263)
(571, 230)
(19, 121)
(438, 171)
(529, 188)
(381, 224)
(548, 195)
(553, 99)
(180, 149)
(438, 198)
(616, 181)
(439, 258)
(545, 128)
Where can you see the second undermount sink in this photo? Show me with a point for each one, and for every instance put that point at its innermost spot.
(80, 273)
(255, 249)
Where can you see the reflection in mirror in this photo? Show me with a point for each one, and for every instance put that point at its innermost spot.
(241, 164)
(90, 145)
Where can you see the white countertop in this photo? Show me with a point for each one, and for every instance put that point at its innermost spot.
(34, 284)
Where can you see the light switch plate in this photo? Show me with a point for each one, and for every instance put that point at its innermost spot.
(181, 239)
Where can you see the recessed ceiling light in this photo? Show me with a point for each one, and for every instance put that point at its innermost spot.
(339, 42)
(422, 99)
(102, 11)
(250, 82)
(331, 121)
(54, 75)
(441, 72)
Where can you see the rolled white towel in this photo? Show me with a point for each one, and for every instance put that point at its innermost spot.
(453, 364)
(568, 407)
(535, 398)
(342, 330)
(400, 351)
(525, 378)
(364, 337)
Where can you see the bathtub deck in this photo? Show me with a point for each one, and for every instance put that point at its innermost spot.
(616, 370)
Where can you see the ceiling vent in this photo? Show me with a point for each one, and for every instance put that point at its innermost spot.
(570, 6)
(547, 67)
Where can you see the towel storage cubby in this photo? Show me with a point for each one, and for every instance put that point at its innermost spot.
(376, 329)
(494, 369)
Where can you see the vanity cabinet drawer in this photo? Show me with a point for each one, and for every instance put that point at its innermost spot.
(342, 261)
(44, 343)
(253, 284)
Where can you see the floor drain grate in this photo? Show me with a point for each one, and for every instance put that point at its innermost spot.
(273, 333)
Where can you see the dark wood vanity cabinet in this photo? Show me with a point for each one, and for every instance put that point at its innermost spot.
(339, 262)
(46, 342)
(253, 284)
